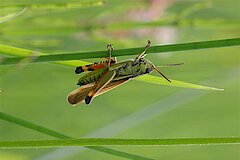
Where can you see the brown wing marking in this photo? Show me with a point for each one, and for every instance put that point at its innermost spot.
(95, 66)
(78, 95)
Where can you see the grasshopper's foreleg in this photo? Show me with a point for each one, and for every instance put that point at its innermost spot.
(147, 47)
(105, 79)
(142, 55)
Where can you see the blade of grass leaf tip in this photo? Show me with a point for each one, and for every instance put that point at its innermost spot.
(173, 83)
(44, 130)
(11, 16)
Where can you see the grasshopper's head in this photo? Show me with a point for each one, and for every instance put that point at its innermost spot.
(148, 67)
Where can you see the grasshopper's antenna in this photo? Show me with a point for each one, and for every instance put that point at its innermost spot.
(171, 65)
(162, 74)
(167, 65)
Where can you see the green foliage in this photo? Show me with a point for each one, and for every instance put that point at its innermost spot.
(116, 141)
(174, 83)
(120, 52)
(37, 91)
(14, 51)
(53, 133)
(11, 16)
(146, 78)
(55, 5)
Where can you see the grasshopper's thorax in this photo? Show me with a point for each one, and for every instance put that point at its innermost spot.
(135, 68)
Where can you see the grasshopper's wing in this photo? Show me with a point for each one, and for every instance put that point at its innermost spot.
(78, 96)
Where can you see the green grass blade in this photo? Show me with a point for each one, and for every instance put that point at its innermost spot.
(55, 5)
(11, 16)
(32, 126)
(56, 30)
(53, 133)
(193, 23)
(173, 83)
(124, 52)
(118, 141)
(118, 153)
(9, 50)
(28, 55)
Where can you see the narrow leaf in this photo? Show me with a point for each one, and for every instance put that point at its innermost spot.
(29, 55)
(118, 142)
(55, 5)
(173, 83)
(9, 50)
(53, 133)
(55, 29)
(11, 16)
(124, 52)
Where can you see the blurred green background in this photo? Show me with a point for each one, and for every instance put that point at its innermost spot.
(37, 92)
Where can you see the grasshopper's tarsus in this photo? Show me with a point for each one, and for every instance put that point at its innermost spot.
(110, 47)
(148, 45)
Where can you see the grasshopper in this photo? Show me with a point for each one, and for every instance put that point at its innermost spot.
(109, 74)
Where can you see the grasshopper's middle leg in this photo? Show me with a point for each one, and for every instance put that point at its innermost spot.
(110, 58)
(105, 79)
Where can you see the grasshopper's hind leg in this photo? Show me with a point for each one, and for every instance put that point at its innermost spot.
(105, 79)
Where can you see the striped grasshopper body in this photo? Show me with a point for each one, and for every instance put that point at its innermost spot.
(109, 74)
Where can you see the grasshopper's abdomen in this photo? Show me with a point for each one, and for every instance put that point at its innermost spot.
(91, 77)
